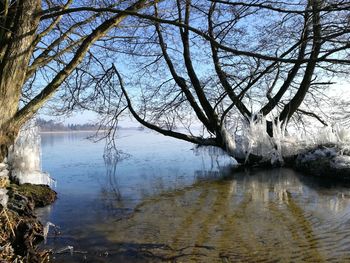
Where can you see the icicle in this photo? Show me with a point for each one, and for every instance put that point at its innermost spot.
(46, 230)
(325, 135)
(278, 138)
(64, 249)
(24, 157)
(254, 139)
(342, 134)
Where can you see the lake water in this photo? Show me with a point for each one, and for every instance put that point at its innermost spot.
(167, 202)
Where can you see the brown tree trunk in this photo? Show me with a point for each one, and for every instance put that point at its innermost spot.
(15, 58)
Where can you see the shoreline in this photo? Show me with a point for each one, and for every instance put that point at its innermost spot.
(91, 131)
(78, 131)
(21, 230)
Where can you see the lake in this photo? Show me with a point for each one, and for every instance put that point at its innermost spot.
(170, 202)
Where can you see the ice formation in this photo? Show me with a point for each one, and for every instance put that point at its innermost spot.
(253, 139)
(24, 157)
(219, 159)
(331, 134)
(229, 140)
(3, 197)
(4, 181)
(66, 248)
(46, 230)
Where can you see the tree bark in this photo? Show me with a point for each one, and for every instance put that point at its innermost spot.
(290, 108)
(13, 66)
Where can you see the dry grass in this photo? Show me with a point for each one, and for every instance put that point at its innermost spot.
(9, 222)
(4, 182)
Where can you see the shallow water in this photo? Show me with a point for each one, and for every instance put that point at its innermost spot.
(167, 203)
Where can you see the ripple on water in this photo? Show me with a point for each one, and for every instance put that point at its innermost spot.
(173, 208)
(217, 221)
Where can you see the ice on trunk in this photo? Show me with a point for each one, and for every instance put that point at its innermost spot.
(228, 140)
(24, 157)
(255, 139)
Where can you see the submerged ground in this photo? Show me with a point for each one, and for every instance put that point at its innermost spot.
(167, 203)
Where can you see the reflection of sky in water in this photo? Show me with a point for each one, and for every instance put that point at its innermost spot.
(156, 164)
(170, 187)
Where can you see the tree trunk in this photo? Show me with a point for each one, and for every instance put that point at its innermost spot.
(15, 58)
(291, 107)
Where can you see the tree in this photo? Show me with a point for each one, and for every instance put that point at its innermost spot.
(209, 62)
(41, 45)
(186, 62)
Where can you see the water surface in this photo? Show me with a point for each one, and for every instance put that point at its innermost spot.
(169, 203)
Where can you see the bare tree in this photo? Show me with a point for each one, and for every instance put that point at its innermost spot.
(42, 43)
(184, 62)
(209, 62)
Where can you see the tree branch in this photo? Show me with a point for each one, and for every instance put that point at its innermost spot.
(32, 107)
(177, 135)
(202, 34)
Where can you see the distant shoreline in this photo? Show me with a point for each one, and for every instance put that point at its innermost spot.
(77, 131)
(104, 130)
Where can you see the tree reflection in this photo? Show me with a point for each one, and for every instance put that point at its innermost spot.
(262, 216)
(111, 193)
(111, 174)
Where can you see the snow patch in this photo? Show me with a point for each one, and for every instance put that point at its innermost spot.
(341, 162)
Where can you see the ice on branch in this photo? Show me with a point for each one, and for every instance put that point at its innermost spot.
(253, 139)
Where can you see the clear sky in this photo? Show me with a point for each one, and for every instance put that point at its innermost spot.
(341, 88)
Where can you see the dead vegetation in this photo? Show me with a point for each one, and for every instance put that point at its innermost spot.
(20, 230)
(18, 238)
